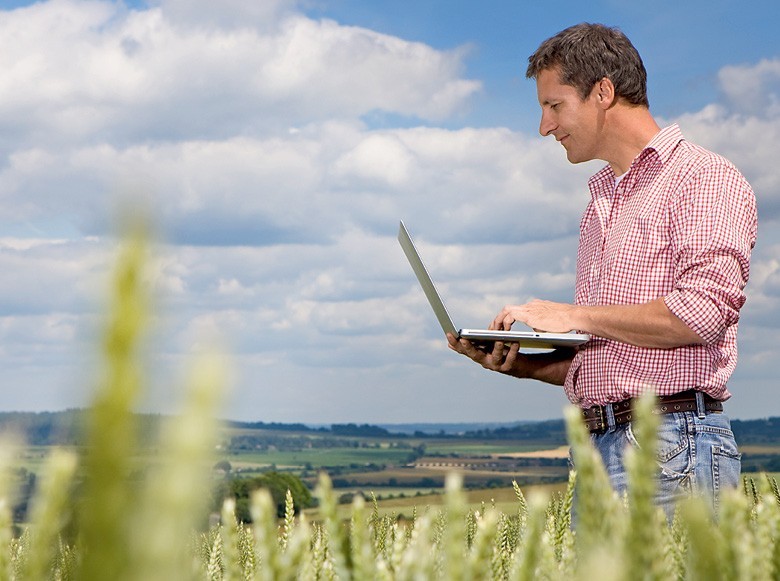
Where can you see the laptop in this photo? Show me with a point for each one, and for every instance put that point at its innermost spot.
(482, 337)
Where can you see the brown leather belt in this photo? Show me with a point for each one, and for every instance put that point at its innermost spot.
(596, 417)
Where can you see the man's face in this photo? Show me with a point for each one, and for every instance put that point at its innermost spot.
(573, 122)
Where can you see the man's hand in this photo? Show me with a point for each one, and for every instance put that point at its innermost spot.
(539, 315)
(503, 358)
(550, 367)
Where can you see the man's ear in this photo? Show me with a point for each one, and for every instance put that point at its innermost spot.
(605, 93)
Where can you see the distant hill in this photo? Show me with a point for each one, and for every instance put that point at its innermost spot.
(764, 431)
(66, 428)
(449, 429)
(44, 428)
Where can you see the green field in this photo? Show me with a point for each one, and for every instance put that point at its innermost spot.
(31, 458)
(504, 499)
(317, 457)
(486, 447)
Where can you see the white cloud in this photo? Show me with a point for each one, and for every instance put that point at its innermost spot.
(308, 186)
(45, 276)
(750, 142)
(225, 14)
(381, 160)
(753, 89)
(97, 71)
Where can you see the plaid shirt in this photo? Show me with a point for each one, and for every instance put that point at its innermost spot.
(680, 224)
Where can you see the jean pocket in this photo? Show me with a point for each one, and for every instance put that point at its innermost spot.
(726, 465)
(671, 438)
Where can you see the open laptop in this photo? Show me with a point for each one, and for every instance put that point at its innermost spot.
(480, 336)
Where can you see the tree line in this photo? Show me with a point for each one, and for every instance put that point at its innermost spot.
(67, 428)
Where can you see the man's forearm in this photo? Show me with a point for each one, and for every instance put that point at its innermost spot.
(547, 367)
(644, 325)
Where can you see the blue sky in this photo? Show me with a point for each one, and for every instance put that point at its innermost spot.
(280, 142)
(684, 43)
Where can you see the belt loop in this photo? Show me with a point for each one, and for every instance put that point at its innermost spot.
(610, 417)
(700, 405)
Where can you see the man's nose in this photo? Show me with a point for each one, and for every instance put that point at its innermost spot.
(546, 125)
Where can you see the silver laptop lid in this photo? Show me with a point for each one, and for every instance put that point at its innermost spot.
(425, 281)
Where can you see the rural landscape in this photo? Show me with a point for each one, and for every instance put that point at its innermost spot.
(401, 470)
(401, 467)
(360, 502)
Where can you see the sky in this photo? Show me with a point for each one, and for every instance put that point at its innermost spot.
(277, 144)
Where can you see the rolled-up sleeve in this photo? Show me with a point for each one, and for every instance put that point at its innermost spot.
(714, 223)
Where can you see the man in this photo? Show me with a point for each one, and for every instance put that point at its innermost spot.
(663, 261)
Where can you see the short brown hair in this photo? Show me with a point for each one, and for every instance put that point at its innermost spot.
(586, 53)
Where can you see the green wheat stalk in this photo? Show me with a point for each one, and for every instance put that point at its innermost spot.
(705, 543)
(108, 496)
(174, 496)
(454, 539)
(563, 537)
(335, 538)
(529, 555)
(766, 527)
(479, 563)
(8, 450)
(213, 553)
(266, 534)
(388, 567)
(419, 560)
(49, 514)
(642, 539)
(775, 526)
(599, 512)
(362, 558)
(293, 559)
(522, 505)
(231, 549)
(288, 523)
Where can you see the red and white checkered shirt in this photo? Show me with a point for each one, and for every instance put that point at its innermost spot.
(680, 224)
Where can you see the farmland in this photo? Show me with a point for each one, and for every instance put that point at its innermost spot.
(395, 468)
(400, 470)
(403, 472)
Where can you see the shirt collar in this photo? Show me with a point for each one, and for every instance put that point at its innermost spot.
(664, 142)
(661, 146)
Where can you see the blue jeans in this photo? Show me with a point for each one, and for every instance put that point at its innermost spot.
(697, 454)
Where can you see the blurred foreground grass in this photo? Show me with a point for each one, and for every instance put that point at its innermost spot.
(96, 516)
